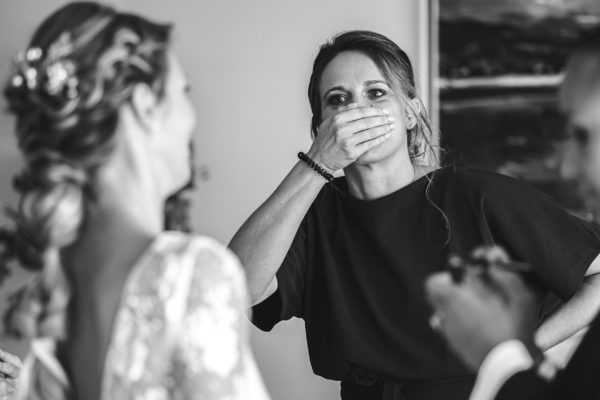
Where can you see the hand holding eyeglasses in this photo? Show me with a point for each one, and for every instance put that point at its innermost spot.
(482, 301)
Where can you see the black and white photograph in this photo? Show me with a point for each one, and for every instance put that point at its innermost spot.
(292, 200)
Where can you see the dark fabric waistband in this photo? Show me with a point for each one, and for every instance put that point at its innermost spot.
(365, 377)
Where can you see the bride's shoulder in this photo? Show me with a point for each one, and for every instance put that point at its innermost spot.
(179, 244)
(212, 261)
(195, 270)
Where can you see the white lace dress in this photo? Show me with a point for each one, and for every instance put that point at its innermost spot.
(180, 332)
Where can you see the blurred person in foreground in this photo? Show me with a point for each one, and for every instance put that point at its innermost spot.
(486, 313)
(119, 308)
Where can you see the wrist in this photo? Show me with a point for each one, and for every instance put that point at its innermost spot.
(315, 166)
(316, 157)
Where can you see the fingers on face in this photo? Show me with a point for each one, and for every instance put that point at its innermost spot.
(10, 365)
(10, 358)
(364, 146)
(366, 132)
(370, 134)
(7, 388)
(9, 370)
(352, 120)
(367, 123)
(356, 113)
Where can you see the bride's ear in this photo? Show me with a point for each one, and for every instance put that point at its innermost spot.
(144, 103)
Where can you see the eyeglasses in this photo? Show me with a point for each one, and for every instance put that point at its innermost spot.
(458, 266)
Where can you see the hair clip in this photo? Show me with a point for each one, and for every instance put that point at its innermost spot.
(33, 54)
(60, 75)
(26, 72)
(17, 80)
(58, 70)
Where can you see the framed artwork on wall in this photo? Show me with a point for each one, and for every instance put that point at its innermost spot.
(496, 69)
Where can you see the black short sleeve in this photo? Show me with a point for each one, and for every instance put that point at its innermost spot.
(534, 228)
(287, 301)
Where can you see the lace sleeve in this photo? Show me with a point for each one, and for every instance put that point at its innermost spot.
(212, 357)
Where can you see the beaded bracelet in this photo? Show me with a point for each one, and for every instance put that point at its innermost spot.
(309, 161)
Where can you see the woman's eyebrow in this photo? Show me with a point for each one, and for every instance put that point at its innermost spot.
(376, 81)
(333, 89)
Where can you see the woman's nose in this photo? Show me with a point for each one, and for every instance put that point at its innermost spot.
(362, 100)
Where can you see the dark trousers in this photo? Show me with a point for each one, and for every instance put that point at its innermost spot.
(365, 385)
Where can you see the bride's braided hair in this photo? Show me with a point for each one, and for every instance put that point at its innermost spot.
(81, 67)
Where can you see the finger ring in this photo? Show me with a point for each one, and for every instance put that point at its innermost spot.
(436, 320)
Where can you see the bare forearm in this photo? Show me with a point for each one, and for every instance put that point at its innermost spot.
(572, 316)
(265, 238)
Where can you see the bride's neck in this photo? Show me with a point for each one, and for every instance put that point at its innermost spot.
(115, 233)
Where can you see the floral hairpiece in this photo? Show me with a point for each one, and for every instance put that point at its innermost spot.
(56, 68)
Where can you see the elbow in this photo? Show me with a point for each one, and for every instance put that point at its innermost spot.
(256, 294)
(259, 293)
(255, 297)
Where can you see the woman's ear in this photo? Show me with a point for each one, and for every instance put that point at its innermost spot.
(144, 103)
(413, 112)
(417, 105)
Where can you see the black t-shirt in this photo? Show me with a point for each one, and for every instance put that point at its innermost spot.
(355, 271)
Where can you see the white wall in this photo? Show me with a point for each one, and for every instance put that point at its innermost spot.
(249, 64)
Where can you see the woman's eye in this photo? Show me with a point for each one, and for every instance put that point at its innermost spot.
(375, 93)
(336, 100)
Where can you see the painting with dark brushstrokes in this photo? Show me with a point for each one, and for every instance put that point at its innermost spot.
(500, 64)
